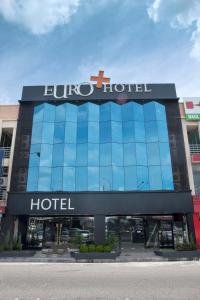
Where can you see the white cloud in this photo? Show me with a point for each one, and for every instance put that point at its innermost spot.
(179, 14)
(39, 16)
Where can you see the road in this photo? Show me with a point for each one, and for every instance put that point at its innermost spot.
(119, 281)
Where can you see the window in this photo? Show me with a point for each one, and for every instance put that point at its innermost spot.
(93, 154)
(57, 179)
(103, 147)
(196, 175)
(193, 135)
(59, 133)
(128, 132)
(60, 113)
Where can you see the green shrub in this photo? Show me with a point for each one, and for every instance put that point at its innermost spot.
(7, 243)
(186, 246)
(94, 248)
(17, 244)
(99, 248)
(83, 248)
(11, 244)
(107, 248)
(112, 240)
(91, 248)
(77, 239)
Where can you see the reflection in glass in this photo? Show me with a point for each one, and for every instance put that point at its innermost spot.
(83, 113)
(47, 133)
(128, 132)
(129, 154)
(68, 179)
(57, 179)
(71, 112)
(36, 133)
(59, 132)
(115, 112)
(93, 154)
(151, 131)
(70, 155)
(105, 112)
(46, 155)
(139, 132)
(117, 154)
(93, 179)
(82, 154)
(58, 154)
(142, 178)
(81, 179)
(141, 154)
(44, 179)
(93, 112)
(130, 178)
(118, 178)
(153, 154)
(167, 178)
(128, 111)
(155, 178)
(70, 132)
(91, 147)
(93, 132)
(138, 112)
(105, 132)
(32, 182)
(49, 113)
(38, 113)
(106, 179)
(34, 158)
(82, 132)
(105, 154)
(60, 113)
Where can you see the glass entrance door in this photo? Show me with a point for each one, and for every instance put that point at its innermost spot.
(129, 231)
(159, 232)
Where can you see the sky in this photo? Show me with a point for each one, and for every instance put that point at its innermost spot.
(67, 41)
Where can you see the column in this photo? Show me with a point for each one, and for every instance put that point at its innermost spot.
(99, 229)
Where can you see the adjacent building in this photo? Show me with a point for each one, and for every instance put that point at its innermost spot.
(190, 116)
(8, 125)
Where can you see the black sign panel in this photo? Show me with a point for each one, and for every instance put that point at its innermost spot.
(94, 203)
(87, 92)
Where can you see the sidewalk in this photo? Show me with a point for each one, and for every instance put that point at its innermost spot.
(129, 253)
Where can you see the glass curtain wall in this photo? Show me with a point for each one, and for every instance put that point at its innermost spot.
(107, 147)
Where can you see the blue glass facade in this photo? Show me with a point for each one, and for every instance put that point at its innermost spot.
(107, 147)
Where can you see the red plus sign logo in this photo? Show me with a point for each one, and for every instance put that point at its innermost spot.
(100, 79)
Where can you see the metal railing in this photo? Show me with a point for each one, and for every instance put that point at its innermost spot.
(3, 194)
(6, 151)
(194, 148)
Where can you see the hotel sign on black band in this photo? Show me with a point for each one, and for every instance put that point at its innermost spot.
(88, 91)
(105, 203)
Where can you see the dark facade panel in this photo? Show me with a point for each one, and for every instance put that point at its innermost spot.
(100, 203)
(22, 148)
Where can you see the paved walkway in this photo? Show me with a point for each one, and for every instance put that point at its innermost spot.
(130, 253)
(137, 252)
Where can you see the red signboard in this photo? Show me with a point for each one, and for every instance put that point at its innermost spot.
(196, 203)
(196, 218)
(195, 158)
(2, 209)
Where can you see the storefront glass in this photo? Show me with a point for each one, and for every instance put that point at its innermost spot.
(59, 231)
(149, 231)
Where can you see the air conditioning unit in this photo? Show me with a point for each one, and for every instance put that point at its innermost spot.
(3, 181)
